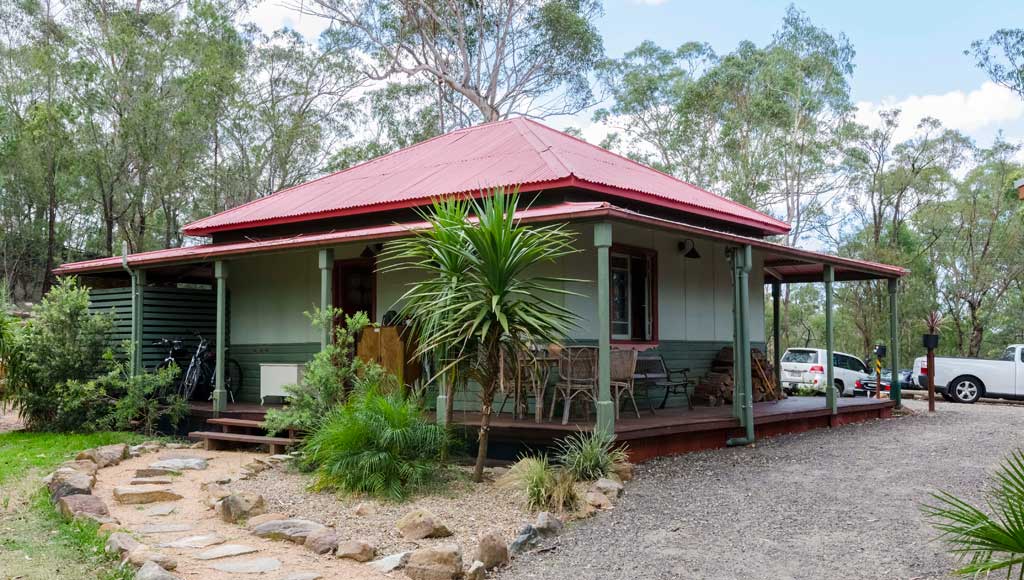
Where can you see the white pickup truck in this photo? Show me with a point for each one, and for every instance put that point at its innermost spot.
(965, 380)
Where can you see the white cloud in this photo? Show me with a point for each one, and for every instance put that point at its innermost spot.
(981, 110)
(271, 15)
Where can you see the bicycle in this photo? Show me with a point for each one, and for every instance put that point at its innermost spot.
(201, 368)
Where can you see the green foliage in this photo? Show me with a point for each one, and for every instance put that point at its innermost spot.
(142, 401)
(333, 373)
(590, 455)
(987, 542)
(475, 297)
(376, 443)
(1001, 55)
(61, 348)
(544, 486)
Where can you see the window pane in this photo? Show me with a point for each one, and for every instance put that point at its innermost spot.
(800, 356)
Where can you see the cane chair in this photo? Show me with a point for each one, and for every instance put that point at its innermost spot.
(623, 372)
(577, 377)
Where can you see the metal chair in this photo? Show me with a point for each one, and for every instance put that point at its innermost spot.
(577, 376)
(623, 371)
(652, 370)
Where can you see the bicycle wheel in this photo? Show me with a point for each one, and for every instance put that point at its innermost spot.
(233, 378)
(189, 383)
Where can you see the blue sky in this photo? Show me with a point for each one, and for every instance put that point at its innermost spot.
(909, 54)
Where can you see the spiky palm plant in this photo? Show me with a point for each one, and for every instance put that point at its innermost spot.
(476, 297)
(987, 542)
(379, 444)
(590, 455)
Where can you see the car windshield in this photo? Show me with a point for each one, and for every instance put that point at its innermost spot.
(800, 356)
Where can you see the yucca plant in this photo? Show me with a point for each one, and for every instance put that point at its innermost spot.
(476, 298)
(378, 444)
(590, 455)
(987, 542)
(545, 486)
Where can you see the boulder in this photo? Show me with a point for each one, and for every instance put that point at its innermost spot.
(548, 524)
(141, 555)
(357, 550)
(623, 470)
(105, 456)
(390, 563)
(292, 530)
(597, 500)
(84, 506)
(147, 447)
(138, 494)
(241, 506)
(86, 465)
(263, 518)
(152, 571)
(121, 544)
(364, 509)
(611, 489)
(66, 481)
(476, 571)
(180, 463)
(322, 541)
(435, 563)
(421, 523)
(491, 550)
(527, 539)
(214, 493)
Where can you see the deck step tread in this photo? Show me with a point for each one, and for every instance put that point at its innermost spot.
(242, 438)
(235, 422)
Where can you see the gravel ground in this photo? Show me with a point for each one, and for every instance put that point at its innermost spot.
(839, 503)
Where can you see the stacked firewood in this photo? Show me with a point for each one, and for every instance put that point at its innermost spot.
(716, 387)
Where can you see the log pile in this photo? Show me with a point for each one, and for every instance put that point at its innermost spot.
(716, 387)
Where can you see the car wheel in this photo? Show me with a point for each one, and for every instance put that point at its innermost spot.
(948, 397)
(839, 388)
(965, 390)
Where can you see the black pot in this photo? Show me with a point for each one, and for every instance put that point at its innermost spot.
(930, 341)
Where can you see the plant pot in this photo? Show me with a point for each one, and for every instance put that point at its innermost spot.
(930, 341)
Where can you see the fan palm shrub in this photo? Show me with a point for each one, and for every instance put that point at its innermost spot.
(986, 542)
(476, 298)
(590, 455)
(376, 443)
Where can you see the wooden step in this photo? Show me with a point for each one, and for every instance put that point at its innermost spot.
(229, 422)
(214, 439)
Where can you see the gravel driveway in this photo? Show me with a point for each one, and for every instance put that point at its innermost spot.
(830, 503)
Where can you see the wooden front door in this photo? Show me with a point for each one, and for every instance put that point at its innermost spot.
(355, 286)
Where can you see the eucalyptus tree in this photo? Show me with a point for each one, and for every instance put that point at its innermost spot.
(1001, 55)
(498, 56)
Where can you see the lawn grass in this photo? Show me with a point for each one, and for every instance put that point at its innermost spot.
(35, 541)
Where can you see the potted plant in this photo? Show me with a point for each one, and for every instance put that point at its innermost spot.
(930, 340)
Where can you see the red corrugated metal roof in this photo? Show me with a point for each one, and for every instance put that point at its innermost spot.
(566, 211)
(516, 152)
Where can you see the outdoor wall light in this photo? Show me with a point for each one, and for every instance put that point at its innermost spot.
(688, 250)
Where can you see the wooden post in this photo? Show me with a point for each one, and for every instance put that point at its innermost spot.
(830, 391)
(777, 330)
(605, 406)
(220, 273)
(326, 258)
(931, 379)
(894, 342)
(737, 364)
(138, 320)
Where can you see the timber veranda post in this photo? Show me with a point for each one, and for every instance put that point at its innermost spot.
(830, 380)
(896, 390)
(605, 407)
(220, 273)
(326, 263)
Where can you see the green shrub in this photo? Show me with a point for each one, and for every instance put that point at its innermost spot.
(59, 349)
(334, 372)
(376, 443)
(545, 486)
(590, 455)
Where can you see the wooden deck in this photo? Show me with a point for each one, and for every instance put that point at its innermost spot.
(667, 432)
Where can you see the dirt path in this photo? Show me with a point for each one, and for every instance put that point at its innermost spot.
(839, 503)
(9, 421)
(199, 519)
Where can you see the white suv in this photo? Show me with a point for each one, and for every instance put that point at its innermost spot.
(804, 367)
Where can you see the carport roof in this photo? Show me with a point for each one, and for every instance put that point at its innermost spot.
(782, 263)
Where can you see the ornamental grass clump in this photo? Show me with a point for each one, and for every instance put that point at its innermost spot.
(376, 443)
(987, 542)
(544, 486)
(589, 456)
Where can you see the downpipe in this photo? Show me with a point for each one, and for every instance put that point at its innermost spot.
(742, 279)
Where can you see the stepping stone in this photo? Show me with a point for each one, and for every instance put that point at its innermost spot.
(155, 472)
(226, 551)
(165, 528)
(304, 576)
(151, 481)
(144, 494)
(180, 463)
(390, 563)
(292, 530)
(255, 566)
(204, 541)
(160, 511)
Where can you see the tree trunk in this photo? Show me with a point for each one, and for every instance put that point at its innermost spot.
(51, 222)
(977, 332)
(485, 431)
